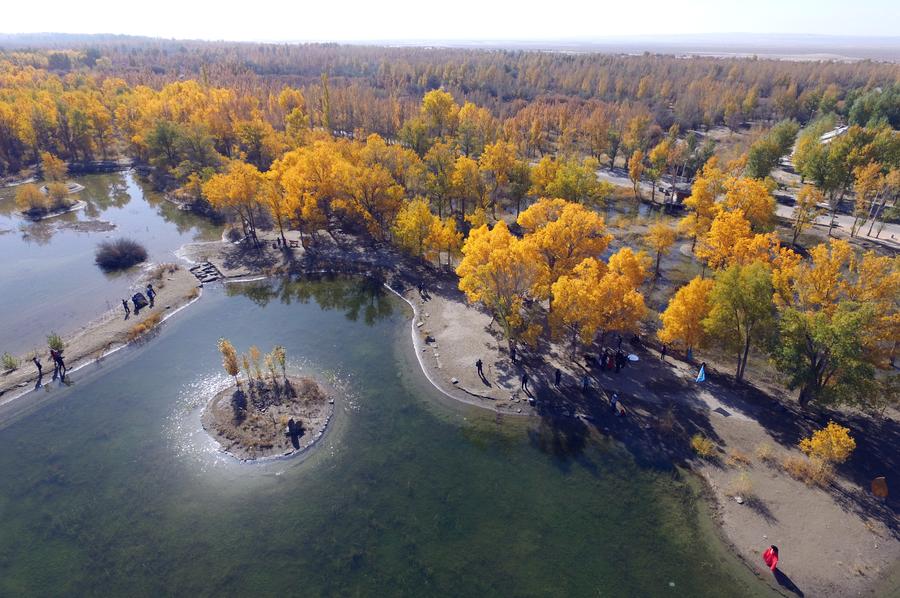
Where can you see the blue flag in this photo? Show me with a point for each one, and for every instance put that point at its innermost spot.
(702, 375)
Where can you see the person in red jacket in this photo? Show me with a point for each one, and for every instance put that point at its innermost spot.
(770, 556)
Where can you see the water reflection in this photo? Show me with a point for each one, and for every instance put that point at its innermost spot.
(364, 297)
(48, 279)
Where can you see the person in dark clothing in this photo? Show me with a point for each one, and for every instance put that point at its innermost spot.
(151, 294)
(618, 361)
(619, 342)
(558, 377)
(127, 309)
(525, 382)
(663, 351)
(585, 384)
(59, 366)
(478, 366)
(37, 364)
(512, 353)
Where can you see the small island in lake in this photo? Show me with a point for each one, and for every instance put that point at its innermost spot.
(268, 413)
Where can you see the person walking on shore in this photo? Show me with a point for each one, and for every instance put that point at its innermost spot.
(525, 383)
(479, 366)
(127, 309)
(662, 352)
(37, 364)
(557, 377)
(770, 557)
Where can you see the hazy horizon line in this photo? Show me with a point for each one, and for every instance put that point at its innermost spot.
(667, 37)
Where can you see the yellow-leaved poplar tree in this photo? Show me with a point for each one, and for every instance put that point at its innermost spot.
(682, 320)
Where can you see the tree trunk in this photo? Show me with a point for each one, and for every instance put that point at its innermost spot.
(805, 396)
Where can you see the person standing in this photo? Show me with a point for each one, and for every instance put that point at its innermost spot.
(662, 352)
(37, 364)
(614, 401)
(701, 375)
(478, 366)
(525, 383)
(151, 294)
(54, 356)
(585, 384)
(770, 557)
(127, 309)
(62, 365)
(558, 377)
(512, 354)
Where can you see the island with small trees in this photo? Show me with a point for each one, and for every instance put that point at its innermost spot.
(269, 413)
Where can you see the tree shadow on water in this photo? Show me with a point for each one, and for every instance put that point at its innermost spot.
(565, 438)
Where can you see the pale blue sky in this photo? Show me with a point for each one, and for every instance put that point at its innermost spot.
(454, 19)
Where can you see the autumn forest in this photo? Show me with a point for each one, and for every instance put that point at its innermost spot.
(486, 162)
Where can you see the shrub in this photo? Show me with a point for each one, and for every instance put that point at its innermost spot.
(30, 200)
(193, 293)
(59, 196)
(55, 342)
(144, 326)
(831, 444)
(9, 362)
(813, 472)
(738, 458)
(119, 254)
(703, 446)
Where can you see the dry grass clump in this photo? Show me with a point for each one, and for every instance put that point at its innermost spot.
(9, 362)
(765, 453)
(144, 326)
(193, 293)
(157, 273)
(703, 446)
(738, 458)
(812, 472)
(119, 254)
(740, 486)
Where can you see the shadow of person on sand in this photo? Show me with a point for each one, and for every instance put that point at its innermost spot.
(786, 582)
(239, 406)
(294, 432)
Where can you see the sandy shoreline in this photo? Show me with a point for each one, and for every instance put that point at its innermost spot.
(104, 335)
(829, 546)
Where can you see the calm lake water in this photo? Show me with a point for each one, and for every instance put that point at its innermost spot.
(110, 487)
(48, 279)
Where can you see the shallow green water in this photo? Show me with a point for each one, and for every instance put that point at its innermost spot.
(110, 487)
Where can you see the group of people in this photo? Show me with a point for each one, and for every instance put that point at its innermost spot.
(619, 358)
(140, 300)
(59, 365)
